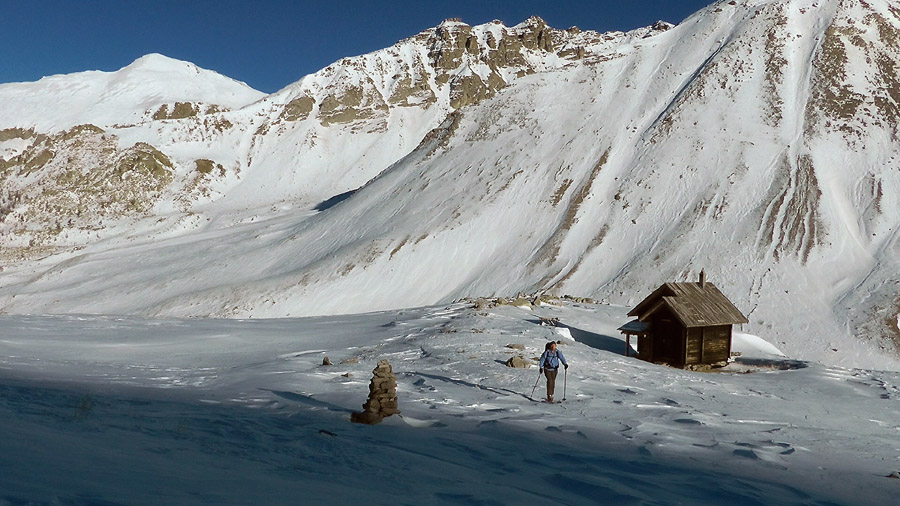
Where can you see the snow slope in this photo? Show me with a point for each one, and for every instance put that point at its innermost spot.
(125, 410)
(116, 98)
(755, 141)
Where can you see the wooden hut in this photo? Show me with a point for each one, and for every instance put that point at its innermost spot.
(684, 325)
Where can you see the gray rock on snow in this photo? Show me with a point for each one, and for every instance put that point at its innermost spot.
(518, 362)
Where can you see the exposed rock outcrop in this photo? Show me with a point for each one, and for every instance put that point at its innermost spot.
(182, 110)
(298, 108)
(73, 181)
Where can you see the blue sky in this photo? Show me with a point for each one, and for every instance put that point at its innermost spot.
(266, 43)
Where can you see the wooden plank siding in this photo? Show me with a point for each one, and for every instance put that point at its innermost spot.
(693, 353)
(707, 345)
(716, 344)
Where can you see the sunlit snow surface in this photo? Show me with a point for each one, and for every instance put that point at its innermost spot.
(121, 410)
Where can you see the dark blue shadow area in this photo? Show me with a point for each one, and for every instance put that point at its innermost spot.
(106, 445)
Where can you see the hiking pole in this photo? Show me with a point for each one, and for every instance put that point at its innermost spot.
(535, 384)
(565, 381)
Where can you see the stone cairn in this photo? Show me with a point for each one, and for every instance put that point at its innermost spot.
(382, 400)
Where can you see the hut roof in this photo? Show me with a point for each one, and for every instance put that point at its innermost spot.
(694, 304)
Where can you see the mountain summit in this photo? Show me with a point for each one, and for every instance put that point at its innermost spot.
(106, 99)
(756, 140)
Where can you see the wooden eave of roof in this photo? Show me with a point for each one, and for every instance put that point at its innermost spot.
(649, 301)
(650, 309)
(694, 305)
(635, 327)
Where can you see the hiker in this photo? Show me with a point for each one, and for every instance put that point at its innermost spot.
(549, 365)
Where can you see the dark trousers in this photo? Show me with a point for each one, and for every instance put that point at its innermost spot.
(551, 380)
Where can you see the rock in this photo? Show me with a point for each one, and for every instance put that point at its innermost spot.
(205, 166)
(351, 360)
(549, 322)
(298, 108)
(521, 302)
(184, 110)
(516, 346)
(326, 361)
(346, 105)
(481, 304)
(518, 362)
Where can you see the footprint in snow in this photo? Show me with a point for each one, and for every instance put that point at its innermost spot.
(423, 385)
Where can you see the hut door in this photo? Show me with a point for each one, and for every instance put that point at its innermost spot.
(670, 345)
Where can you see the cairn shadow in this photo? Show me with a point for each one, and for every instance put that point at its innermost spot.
(309, 401)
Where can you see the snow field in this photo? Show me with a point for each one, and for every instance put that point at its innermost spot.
(231, 411)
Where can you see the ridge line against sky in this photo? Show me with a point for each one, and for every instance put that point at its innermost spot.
(267, 44)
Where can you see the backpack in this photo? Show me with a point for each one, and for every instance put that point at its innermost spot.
(548, 363)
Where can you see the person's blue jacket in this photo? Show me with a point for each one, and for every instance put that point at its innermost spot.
(551, 360)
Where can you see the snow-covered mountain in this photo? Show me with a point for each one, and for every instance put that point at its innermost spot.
(152, 82)
(756, 140)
